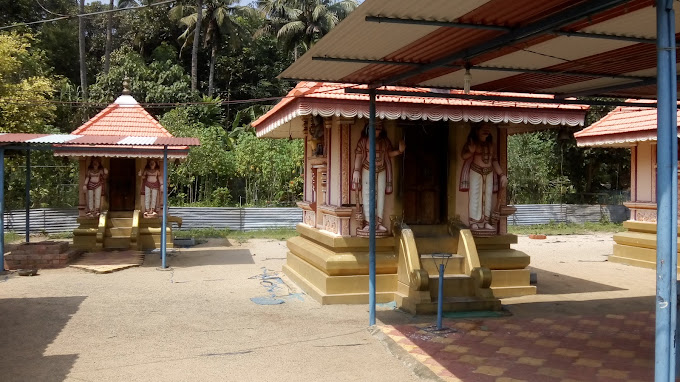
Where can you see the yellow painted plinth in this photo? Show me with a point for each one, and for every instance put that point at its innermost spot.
(334, 269)
(509, 274)
(637, 245)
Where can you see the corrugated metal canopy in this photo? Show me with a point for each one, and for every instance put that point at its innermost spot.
(563, 47)
(94, 140)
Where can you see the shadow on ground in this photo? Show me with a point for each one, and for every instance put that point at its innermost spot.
(587, 307)
(201, 257)
(557, 283)
(28, 327)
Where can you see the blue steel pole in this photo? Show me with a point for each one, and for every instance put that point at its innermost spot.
(371, 206)
(440, 297)
(28, 194)
(667, 194)
(2, 208)
(674, 186)
(165, 207)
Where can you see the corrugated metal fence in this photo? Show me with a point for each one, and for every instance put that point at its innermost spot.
(52, 220)
(531, 214)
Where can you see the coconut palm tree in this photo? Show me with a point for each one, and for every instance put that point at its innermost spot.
(109, 29)
(298, 24)
(220, 25)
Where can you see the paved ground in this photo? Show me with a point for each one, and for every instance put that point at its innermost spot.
(590, 321)
(225, 313)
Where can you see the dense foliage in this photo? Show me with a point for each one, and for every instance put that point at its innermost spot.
(542, 168)
(40, 91)
(209, 88)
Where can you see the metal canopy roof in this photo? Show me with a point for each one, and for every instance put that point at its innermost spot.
(562, 47)
(94, 140)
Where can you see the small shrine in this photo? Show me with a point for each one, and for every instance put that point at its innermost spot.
(632, 127)
(441, 176)
(121, 188)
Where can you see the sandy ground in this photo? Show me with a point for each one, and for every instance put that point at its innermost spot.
(574, 277)
(207, 319)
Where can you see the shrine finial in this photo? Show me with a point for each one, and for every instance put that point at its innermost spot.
(126, 86)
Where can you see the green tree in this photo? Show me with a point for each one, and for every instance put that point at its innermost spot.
(159, 81)
(26, 85)
(202, 178)
(270, 169)
(221, 25)
(298, 24)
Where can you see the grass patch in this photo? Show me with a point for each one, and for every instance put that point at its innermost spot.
(11, 237)
(241, 236)
(565, 228)
(61, 235)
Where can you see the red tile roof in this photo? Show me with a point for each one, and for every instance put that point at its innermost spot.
(124, 117)
(327, 98)
(622, 126)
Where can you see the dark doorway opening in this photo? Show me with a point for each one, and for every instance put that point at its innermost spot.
(122, 181)
(425, 173)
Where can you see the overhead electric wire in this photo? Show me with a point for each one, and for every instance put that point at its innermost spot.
(84, 14)
(162, 104)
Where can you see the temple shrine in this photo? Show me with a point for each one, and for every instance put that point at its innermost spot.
(441, 166)
(121, 190)
(633, 127)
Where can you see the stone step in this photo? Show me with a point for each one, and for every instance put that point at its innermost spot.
(428, 230)
(454, 286)
(117, 242)
(120, 214)
(119, 222)
(459, 304)
(454, 265)
(119, 232)
(436, 244)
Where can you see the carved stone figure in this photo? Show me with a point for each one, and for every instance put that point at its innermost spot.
(383, 171)
(481, 177)
(316, 134)
(95, 179)
(152, 186)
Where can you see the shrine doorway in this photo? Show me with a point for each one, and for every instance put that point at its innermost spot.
(425, 173)
(122, 180)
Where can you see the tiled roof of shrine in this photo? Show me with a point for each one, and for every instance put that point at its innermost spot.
(330, 99)
(621, 127)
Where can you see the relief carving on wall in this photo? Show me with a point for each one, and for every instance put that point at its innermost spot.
(330, 223)
(345, 163)
(345, 227)
(310, 218)
(482, 178)
(645, 216)
(384, 152)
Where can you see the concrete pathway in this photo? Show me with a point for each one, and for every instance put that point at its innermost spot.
(224, 312)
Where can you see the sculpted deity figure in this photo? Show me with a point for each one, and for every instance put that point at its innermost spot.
(383, 171)
(95, 179)
(480, 176)
(152, 185)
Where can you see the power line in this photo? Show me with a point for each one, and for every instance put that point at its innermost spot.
(162, 104)
(66, 17)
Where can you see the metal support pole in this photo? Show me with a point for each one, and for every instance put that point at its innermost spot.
(667, 194)
(165, 208)
(371, 207)
(28, 195)
(440, 297)
(2, 208)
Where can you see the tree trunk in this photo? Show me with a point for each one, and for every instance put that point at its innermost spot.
(211, 77)
(81, 43)
(194, 49)
(109, 37)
